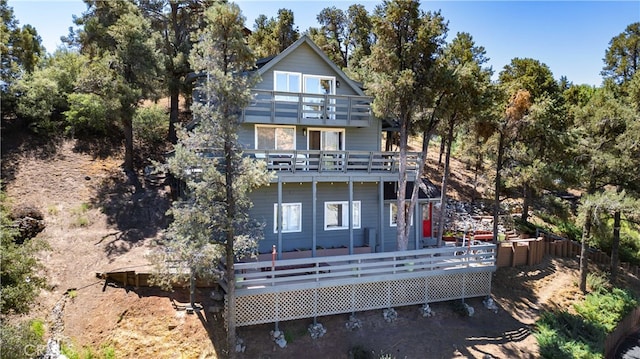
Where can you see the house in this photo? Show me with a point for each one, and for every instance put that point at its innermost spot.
(329, 242)
(314, 127)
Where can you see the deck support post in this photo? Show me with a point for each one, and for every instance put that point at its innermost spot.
(314, 215)
(381, 213)
(279, 218)
(351, 215)
(418, 222)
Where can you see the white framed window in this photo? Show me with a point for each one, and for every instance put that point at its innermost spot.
(336, 215)
(284, 81)
(291, 217)
(321, 85)
(326, 139)
(275, 137)
(315, 106)
(393, 214)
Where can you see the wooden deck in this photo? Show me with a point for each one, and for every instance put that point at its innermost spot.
(272, 291)
(332, 162)
(308, 109)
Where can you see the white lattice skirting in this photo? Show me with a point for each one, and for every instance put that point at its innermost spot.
(346, 298)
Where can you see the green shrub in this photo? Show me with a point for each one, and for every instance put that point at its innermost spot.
(570, 230)
(524, 227)
(24, 340)
(38, 100)
(18, 267)
(606, 308)
(88, 114)
(562, 335)
(581, 335)
(598, 282)
(151, 124)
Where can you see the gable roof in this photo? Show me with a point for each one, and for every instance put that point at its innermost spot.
(304, 39)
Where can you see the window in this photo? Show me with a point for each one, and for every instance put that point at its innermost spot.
(336, 215)
(291, 217)
(325, 139)
(275, 138)
(393, 214)
(314, 106)
(287, 82)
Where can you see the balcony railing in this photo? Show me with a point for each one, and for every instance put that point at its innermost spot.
(308, 109)
(271, 276)
(334, 161)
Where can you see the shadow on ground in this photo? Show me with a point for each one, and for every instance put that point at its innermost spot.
(18, 142)
(135, 208)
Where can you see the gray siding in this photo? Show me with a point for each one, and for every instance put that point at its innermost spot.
(304, 60)
(356, 138)
(264, 198)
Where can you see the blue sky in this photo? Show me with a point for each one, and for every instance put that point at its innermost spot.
(569, 36)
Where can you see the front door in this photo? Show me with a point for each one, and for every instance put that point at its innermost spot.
(426, 220)
(326, 140)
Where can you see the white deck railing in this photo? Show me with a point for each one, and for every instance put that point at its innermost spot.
(274, 291)
(282, 275)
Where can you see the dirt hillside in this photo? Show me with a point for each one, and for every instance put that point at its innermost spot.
(99, 219)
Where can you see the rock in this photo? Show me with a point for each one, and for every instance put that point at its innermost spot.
(52, 351)
(426, 311)
(240, 346)
(317, 330)
(390, 315)
(353, 323)
(278, 338)
(490, 304)
(470, 310)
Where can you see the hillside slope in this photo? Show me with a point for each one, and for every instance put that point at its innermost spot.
(98, 219)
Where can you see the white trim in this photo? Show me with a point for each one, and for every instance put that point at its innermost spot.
(329, 129)
(391, 224)
(305, 39)
(316, 103)
(255, 134)
(357, 220)
(275, 217)
(320, 77)
(275, 84)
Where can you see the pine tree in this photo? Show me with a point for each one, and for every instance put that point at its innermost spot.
(211, 223)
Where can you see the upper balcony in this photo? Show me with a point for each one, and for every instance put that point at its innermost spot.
(274, 107)
(332, 163)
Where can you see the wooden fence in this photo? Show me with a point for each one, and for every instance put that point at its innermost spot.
(624, 328)
(531, 251)
(133, 279)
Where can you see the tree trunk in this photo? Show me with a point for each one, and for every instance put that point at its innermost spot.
(231, 299)
(583, 250)
(478, 165)
(192, 288)
(615, 245)
(173, 114)
(388, 143)
(445, 180)
(526, 192)
(174, 82)
(443, 141)
(128, 144)
(496, 200)
(229, 255)
(401, 223)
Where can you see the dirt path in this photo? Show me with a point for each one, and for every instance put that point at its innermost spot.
(98, 219)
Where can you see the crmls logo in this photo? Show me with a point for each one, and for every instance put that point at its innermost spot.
(33, 350)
